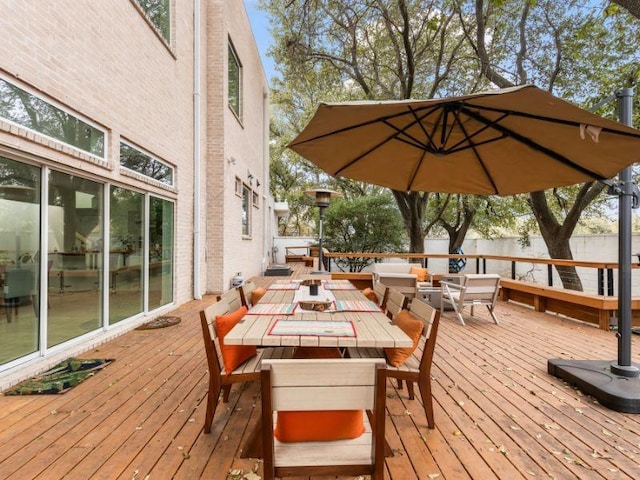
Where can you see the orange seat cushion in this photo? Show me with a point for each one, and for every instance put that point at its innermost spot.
(257, 294)
(232, 355)
(319, 426)
(420, 272)
(413, 328)
(370, 294)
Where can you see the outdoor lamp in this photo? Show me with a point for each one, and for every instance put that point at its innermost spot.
(322, 198)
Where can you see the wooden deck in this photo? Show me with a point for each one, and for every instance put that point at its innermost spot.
(498, 413)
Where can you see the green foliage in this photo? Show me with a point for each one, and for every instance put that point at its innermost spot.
(330, 50)
(363, 224)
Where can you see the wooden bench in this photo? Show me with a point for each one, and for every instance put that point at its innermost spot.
(595, 309)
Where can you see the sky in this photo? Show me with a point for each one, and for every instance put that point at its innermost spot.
(260, 27)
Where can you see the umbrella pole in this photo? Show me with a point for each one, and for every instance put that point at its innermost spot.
(624, 366)
(614, 385)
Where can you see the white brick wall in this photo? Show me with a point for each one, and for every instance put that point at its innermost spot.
(102, 60)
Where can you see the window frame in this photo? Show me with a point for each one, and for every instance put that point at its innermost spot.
(152, 157)
(232, 54)
(156, 29)
(64, 109)
(245, 209)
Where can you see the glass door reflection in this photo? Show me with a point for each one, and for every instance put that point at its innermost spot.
(126, 240)
(19, 259)
(75, 255)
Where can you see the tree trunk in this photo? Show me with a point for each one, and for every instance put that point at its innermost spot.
(412, 206)
(556, 237)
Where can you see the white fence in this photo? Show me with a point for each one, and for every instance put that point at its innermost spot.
(594, 248)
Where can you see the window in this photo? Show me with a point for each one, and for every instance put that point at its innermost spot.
(256, 199)
(159, 14)
(32, 112)
(238, 187)
(145, 164)
(235, 82)
(246, 211)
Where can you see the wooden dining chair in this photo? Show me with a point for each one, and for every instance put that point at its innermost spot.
(417, 367)
(250, 294)
(396, 302)
(377, 294)
(219, 379)
(382, 293)
(231, 297)
(329, 385)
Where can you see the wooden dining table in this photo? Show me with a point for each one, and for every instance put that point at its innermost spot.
(370, 328)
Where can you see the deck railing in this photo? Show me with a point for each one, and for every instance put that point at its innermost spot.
(595, 277)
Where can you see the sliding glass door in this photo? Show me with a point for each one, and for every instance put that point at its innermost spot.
(139, 265)
(75, 255)
(160, 252)
(19, 259)
(126, 246)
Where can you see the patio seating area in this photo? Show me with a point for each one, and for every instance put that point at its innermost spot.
(498, 414)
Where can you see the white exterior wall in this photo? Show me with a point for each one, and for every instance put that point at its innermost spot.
(237, 148)
(101, 60)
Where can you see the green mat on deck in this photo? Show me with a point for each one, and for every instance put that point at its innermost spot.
(60, 378)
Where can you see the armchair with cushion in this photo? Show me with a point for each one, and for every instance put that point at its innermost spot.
(404, 277)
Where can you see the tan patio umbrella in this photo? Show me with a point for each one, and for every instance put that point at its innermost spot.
(503, 142)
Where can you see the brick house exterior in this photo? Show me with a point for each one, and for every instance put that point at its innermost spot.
(106, 63)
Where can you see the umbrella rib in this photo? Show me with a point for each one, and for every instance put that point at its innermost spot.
(385, 119)
(473, 147)
(454, 148)
(415, 171)
(424, 130)
(536, 146)
(364, 154)
(551, 119)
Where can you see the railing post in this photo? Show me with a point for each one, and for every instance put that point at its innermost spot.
(610, 282)
(550, 275)
(600, 281)
(513, 270)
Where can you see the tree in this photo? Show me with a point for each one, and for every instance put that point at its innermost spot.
(558, 46)
(363, 224)
(373, 49)
(633, 6)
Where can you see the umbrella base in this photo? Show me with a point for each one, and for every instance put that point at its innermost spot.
(595, 378)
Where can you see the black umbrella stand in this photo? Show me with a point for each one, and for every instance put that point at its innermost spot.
(615, 384)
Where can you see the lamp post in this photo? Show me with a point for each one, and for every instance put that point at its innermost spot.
(322, 198)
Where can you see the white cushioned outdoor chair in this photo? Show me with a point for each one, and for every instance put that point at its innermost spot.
(475, 289)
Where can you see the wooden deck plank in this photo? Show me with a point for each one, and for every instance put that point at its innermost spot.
(490, 387)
